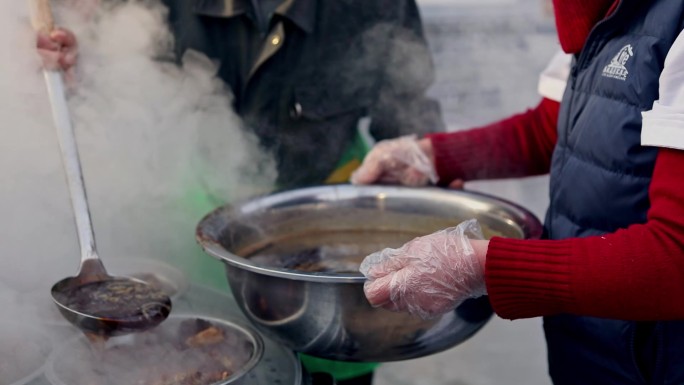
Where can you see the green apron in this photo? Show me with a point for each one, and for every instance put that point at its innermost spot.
(199, 266)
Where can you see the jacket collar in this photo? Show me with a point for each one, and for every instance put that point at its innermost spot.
(301, 12)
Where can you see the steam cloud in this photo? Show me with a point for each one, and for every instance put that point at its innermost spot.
(160, 146)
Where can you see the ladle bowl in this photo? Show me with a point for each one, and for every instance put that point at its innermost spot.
(134, 306)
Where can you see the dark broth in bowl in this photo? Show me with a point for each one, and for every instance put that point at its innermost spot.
(339, 252)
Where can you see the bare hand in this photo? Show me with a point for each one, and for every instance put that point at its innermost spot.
(58, 49)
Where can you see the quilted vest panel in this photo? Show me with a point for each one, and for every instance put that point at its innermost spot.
(600, 175)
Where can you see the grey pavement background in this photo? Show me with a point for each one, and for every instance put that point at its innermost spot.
(488, 55)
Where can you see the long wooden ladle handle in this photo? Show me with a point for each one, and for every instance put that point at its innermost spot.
(41, 16)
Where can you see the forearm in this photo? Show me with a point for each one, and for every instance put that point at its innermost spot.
(518, 146)
(635, 273)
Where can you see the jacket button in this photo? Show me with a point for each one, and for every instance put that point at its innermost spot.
(296, 111)
(275, 40)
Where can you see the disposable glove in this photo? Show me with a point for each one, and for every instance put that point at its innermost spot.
(429, 275)
(397, 161)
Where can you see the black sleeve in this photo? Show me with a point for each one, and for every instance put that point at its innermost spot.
(188, 31)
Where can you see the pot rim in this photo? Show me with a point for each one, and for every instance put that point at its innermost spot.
(528, 222)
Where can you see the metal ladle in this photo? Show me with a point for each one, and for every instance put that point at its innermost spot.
(94, 301)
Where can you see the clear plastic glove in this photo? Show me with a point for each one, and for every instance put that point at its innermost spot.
(429, 275)
(404, 161)
(58, 49)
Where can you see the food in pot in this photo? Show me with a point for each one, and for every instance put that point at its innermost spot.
(192, 352)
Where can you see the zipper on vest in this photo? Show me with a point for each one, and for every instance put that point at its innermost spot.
(563, 157)
(594, 41)
(588, 52)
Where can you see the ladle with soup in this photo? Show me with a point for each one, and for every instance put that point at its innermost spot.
(94, 301)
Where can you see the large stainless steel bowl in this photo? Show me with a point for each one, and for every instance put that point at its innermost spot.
(326, 314)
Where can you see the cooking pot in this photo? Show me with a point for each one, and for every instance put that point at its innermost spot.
(292, 257)
(174, 352)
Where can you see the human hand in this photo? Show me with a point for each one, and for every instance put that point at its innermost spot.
(405, 160)
(429, 275)
(58, 49)
(456, 184)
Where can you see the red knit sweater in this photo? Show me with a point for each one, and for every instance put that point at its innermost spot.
(636, 273)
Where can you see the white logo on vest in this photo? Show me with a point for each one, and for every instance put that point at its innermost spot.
(616, 69)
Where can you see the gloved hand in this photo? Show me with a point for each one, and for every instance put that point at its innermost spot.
(58, 49)
(404, 161)
(429, 275)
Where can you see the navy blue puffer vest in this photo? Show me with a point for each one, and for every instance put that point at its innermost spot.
(600, 175)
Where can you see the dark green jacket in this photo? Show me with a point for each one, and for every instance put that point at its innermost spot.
(303, 83)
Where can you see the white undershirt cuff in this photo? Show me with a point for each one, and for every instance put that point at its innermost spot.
(663, 127)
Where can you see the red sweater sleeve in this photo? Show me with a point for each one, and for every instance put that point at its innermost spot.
(518, 146)
(635, 273)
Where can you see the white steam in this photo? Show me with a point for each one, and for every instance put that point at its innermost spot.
(160, 147)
